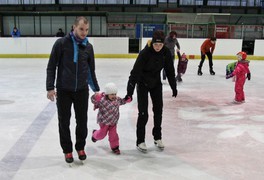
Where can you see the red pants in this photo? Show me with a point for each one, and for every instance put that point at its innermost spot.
(112, 134)
(239, 88)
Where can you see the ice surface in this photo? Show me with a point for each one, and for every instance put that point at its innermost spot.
(206, 137)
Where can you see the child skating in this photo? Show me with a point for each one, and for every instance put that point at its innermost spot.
(182, 65)
(108, 115)
(230, 68)
(240, 73)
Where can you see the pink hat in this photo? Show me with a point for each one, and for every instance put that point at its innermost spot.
(183, 56)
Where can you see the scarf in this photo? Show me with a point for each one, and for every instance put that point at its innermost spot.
(76, 41)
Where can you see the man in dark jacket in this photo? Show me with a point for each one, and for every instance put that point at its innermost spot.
(72, 58)
(146, 75)
(60, 33)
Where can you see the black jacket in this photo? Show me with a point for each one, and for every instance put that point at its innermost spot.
(148, 66)
(71, 76)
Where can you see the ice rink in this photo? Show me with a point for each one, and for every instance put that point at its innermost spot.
(206, 137)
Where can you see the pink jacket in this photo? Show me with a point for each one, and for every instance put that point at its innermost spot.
(108, 113)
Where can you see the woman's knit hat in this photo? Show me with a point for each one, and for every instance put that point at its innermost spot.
(158, 37)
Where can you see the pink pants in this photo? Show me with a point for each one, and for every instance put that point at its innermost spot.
(112, 134)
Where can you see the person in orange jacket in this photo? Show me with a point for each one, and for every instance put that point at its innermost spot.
(207, 48)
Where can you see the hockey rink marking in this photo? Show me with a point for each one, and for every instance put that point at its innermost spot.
(14, 158)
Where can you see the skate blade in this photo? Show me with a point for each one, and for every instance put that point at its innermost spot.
(142, 150)
(70, 164)
(159, 148)
(82, 162)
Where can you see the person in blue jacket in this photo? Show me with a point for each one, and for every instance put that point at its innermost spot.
(15, 32)
(72, 64)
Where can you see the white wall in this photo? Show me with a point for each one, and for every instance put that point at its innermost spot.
(120, 45)
(192, 46)
(259, 47)
(44, 45)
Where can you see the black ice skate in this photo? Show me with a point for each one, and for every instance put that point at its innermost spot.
(82, 155)
(199, 73)
(178, 78)
(212, 72)
(69, 158)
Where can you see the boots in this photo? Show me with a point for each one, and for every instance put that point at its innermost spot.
(199, 71)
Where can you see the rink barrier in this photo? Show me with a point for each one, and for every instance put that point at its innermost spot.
(118, 47)
(128, 56)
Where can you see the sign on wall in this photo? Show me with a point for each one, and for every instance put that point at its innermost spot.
(146, 30)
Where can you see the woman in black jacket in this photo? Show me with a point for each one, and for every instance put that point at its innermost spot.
(146, 75)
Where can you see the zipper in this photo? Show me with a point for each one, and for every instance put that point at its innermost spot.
(76, 76)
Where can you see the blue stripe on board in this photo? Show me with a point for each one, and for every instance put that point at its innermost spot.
(14, 158)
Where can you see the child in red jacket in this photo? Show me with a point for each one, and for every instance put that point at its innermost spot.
(241, 72)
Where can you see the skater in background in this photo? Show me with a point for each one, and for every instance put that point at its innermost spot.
(146, 75)
(230, 68)
(15, 32)
(207, 48)
(182, 65)
(240, 73)
(60, 33)
(108, 115)
(72, 85)
(170, 42)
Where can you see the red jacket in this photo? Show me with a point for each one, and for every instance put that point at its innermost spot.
(241, 69)
(207, 46)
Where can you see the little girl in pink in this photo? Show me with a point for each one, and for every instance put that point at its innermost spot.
(108, 115)
(241, 72)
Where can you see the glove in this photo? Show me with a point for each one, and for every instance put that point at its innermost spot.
(99, 96)
(174, 93)
(229, 76)
(249, 76)
(128, 98)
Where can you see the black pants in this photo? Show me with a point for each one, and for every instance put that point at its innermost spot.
(79, 100)
(157, 102)
(210, 59)
(163, 71)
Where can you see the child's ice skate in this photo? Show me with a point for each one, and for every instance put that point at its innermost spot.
(178, 78)
(93, 139)
(238, 102)
(116, 150)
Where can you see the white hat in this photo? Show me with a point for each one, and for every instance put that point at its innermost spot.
(110, 88)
